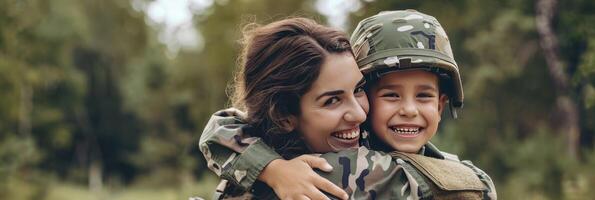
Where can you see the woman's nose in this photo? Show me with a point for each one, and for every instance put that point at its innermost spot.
(356, 113)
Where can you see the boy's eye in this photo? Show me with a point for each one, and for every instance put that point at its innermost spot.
(425, 95)
(331, 101)
(390, 94)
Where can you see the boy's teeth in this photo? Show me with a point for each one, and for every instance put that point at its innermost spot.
(410, 131)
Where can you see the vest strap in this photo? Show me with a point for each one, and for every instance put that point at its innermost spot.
(447, 175)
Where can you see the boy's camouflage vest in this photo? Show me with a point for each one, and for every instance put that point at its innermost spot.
(443, 179)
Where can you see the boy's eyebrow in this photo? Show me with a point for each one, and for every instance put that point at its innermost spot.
(422, 87)
(389, 86)
(427, 87)
(330, 93)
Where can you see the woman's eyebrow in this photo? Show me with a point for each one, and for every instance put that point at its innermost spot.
(361, 82)
(330, 93)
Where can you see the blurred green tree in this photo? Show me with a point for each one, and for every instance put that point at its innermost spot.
(90, 95)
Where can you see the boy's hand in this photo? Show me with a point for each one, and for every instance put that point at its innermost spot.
(295, 179)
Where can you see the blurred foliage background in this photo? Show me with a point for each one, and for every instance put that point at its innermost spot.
(101, 100)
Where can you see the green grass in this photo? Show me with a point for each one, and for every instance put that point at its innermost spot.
(54, 190)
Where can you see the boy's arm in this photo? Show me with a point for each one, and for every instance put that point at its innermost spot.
(232, 154)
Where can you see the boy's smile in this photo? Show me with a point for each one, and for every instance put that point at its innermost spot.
(406, 131)
(406, 109)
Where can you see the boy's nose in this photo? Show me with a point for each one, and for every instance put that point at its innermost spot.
(408, 110)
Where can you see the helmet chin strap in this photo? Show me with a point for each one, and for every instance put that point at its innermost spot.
(453, 110)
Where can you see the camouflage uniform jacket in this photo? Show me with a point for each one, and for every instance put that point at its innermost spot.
(362, 173)
(369, 174)
(232, 154)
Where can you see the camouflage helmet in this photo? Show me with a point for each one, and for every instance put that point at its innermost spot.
(406, 39)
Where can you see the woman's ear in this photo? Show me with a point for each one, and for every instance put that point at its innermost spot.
(289, 124)
(442, 103)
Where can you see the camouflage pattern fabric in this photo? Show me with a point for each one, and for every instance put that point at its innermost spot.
(405, 40)
(368, 174)
(230, 152)
(362, 173)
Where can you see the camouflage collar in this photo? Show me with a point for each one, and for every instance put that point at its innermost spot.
(431, 151)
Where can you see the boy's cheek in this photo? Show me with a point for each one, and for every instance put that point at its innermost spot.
(364, 103)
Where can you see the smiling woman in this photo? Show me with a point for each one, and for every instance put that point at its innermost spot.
(303, 93)
(289, 87)
(326, 122)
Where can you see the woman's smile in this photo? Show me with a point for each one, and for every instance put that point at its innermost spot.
(344, 139)
(332, 111)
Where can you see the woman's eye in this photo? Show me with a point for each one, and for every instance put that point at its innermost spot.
(359, 90)
(331, 101)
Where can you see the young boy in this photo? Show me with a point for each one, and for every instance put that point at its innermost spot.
(407, 60)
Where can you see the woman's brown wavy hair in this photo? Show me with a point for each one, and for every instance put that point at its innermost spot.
(279, 63)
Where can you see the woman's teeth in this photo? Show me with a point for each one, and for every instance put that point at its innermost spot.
(406, 131)
(349, 134)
